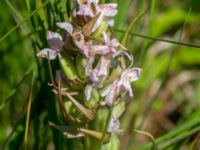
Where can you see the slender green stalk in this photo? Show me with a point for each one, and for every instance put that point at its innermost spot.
(130, 27)
(24, 20)
(176, 133)
(179, 138)
(160, 39)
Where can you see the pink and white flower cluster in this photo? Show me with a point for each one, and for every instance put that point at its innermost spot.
(99, 52)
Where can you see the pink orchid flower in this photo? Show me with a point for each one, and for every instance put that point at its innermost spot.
(121, 85)
(100, 72)
(55, 42)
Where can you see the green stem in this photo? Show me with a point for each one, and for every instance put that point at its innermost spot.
(24, 20)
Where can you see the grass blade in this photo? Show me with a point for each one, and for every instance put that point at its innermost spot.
(160, 39)
(28, 113)
(24, 20)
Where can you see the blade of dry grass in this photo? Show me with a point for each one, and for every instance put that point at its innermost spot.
(28, 112)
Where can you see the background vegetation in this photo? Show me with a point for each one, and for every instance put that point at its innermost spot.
(165, 43)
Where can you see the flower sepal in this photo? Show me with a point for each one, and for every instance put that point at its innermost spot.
(100, 30)
(81, 63)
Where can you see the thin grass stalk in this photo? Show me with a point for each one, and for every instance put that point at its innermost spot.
(28, 114)
(24, 20)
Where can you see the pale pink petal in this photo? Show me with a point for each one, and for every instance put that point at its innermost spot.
(94, 77)
(102, 66)
(131, 74)
(93, 1)
(106, 37)
(101, 49)
(128, 76)
(85, 10)
(109, 10)
(126, 86)
(122, 53)
(47, 53)
(54, 40)
(88, 67)
(88, 91)
(79, 41)
(114, 43)
(52, 35)
(65, 26)
(112, 94)
(100, 72)
(110, 22)
(113, 125)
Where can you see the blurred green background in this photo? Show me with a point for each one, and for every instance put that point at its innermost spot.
(167, 96)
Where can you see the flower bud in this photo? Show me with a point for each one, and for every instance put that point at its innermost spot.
(114, 143)
(92, 102)
(119, 109)
(81, 63)
(70, 109)
(68, 67)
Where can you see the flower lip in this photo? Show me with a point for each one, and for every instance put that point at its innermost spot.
(47, 53)
(55, 43)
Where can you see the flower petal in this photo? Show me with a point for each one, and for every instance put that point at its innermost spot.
(88, 91)
(109, 10)
(79, 41)
(46, 52)
(84, 10)
(65, 26)
(90, 62)
(113, 125)
(131, 74)
(110, 21)
(100, 72)
(54, 40)
(128, 76)
(93, 1)
(101, 49)
(112, 93)
(106, 37)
